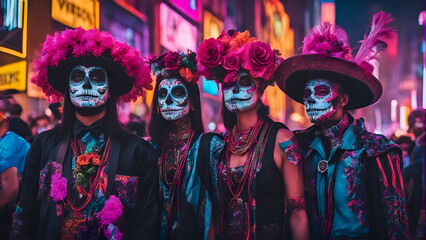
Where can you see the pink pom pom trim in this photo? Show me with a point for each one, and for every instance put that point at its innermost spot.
(58, 187)
(112, 210)
(80, 43)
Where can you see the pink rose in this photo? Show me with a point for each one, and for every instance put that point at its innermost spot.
(258, 59)
(230, 78)
(171, 60)
(210, 52)
(231, 61)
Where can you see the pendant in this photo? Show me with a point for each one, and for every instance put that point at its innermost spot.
(234, 203)
(322, 166)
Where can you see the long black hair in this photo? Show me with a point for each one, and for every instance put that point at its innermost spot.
(113, 127)
(159, 127)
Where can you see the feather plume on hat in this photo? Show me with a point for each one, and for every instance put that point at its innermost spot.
(376, 40)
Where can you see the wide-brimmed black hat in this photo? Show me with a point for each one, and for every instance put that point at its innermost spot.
(363, 88)
(326, 54)
(119, 81)
(128, 73)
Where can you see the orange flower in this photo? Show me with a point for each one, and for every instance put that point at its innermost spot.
(83, 160)
(96, 160)
(240, 39)
(188, 75)
(224, 38)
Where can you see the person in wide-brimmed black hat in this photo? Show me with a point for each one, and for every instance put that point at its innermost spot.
(88, 178)
(353, 177)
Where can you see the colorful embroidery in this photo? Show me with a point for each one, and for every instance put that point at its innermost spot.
(126, 187)
(357, 194)
(292, 150)
(296, 203)
(45, 178)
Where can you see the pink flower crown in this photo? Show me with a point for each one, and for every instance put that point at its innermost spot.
(79, 43)
(223, 57)
(175, 63)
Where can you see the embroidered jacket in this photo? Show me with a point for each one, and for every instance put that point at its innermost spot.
(134, 181)
(373, 191)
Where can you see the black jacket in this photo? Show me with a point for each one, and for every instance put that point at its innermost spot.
(36, 215)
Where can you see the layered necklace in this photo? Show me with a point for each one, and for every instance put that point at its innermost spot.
(97, 162)
(171, 173)
(239, 143)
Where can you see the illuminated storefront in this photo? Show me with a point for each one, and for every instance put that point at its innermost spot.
(176, 33)
(76, 13)
(13, 27)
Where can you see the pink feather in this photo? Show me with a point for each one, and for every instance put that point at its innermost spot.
(377, 39)
(327, 40)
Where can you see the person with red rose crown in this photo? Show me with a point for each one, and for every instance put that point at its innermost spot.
(174, 126)
(88, 178)
(244, 184)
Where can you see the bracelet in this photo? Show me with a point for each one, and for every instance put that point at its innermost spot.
(296, 203)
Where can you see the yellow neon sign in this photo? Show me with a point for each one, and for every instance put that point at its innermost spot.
(14, 75)
(76, 13)
(23, 26)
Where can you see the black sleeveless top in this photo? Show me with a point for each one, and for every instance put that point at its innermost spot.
(266, 195)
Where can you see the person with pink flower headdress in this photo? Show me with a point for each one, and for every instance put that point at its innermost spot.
(88, 178)
(174, 126)
(354, 186)
(251, 187)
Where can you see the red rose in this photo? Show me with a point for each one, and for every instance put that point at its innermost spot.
(258, 59)
(210, 52)
(231, 61)
(230, 78)
(171, 60)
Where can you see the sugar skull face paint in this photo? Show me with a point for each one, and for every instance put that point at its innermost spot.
(173, 99)
(318, 98)
(88, 87)
(242, 95)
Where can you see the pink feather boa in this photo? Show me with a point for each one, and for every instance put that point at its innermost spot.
(58, 187)
(80, 43)
(112, 210)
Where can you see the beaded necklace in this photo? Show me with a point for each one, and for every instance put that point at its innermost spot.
(249, 170)
(94, 181)
(239, 142)
(165, 168)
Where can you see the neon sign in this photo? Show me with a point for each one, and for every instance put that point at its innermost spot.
(13, 27)
(176, 34)
(76, 13)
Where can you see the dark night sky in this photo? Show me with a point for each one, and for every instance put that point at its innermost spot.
(355, 16)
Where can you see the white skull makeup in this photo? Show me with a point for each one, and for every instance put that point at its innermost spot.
(88, 87)
(173, 99)
(242, 95)
(318, 97)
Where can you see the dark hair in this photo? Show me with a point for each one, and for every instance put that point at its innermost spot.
(405, 139)
(15, 109)
(230, 118)
(34, 121)
(113, 126)
(159, 127)
(417, 113)
(138, 128)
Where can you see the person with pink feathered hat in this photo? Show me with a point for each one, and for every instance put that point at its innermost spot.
(353, 180)
(88, 178)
